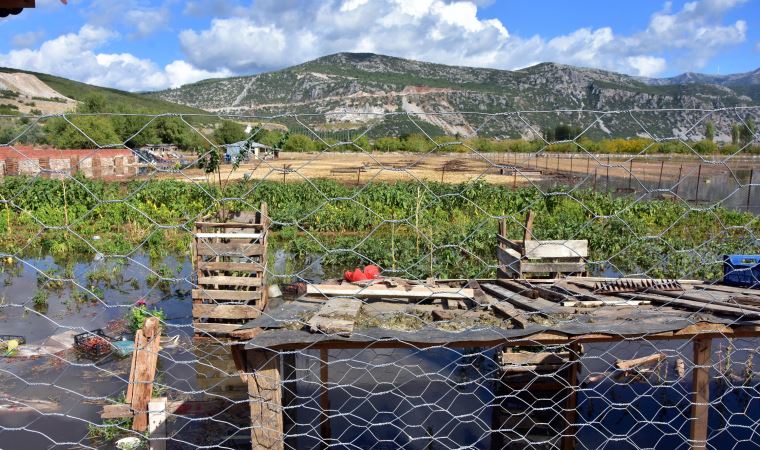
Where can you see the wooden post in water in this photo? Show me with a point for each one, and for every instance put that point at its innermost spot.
(324, 398)
(699, 177)
(265, 398)
(571, 405)
(700, 403)
(289, 396)
(749, 187)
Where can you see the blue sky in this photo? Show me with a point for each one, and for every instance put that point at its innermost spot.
(147, 45)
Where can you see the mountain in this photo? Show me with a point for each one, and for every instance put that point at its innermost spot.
(23, 92)
(359, 90)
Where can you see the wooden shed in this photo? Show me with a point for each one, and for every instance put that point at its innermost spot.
(230, 258)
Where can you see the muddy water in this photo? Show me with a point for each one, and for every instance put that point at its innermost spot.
(434, 398)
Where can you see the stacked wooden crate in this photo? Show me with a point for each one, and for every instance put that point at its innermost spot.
(230, 261)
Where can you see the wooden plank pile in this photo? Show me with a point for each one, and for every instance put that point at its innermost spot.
(230, 260)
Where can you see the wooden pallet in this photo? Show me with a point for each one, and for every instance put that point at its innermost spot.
(230, 259)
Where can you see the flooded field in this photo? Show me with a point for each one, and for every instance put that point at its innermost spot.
(416, 399)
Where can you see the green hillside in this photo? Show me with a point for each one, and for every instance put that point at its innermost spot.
(130, 101)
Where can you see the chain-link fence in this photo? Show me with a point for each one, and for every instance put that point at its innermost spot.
(533, 279)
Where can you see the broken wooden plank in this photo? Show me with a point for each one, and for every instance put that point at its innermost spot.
(519, 288)
(336, 316)
(219, 294)
(520, 301)
(222, 311)
(215, 328)
(629, 364)
(414, 292)
(553, 267)
(548, 293)
(510, 312)
(729, 289)
(694, 305)
(145, 372)
(696, 298)
(444, 315)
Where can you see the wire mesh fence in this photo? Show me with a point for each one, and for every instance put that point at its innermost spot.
(532, 279)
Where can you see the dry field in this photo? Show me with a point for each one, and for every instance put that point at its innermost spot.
(355, 168)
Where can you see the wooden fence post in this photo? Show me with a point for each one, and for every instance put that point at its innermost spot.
(571, 413)
(700, 403)
(325, 431)
(157, 423)
(265, 398)
(144, 359)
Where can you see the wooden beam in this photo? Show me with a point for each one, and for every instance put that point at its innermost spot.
(507, 310)
(223, 280)
(222, 311)
(571, 406)
(416, 292)
(222, 294)
(145, 371)
(157, 423)
(265, 398)
(628, 364)
(528, 233)
(204, 248)
(324, 397)
(289, 399)
(700, 405)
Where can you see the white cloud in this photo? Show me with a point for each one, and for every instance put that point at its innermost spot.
(28, 39)
(145, 22)
(75, 56)
(277, 33)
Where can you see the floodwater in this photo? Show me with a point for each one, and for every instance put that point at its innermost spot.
(417, 399)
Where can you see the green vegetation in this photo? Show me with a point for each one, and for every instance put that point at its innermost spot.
(418, 230)
(137, 315)
(80, 91)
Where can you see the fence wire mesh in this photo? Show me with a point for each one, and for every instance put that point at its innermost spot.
(496, 321)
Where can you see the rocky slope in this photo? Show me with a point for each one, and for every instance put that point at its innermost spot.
(349, 90)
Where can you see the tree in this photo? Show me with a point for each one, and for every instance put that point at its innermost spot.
(748, 131)
(735, 133)
(298, 143)
(549, 135)
(229, 132)
(93, 128)
(562, 132)
(94, 102)
(709, 131)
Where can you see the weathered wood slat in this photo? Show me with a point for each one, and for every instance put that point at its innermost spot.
(507, 256)
(729, 289)
(548, 293)
(548, 267)
(248, 236)
(694, 305)
(251, 267)
(416, 292)
(221, 280)
(520, 301)
(556, 249)
(510, 312)
(519, 288)
(183, 407)
(265, 393)
(696, 298)
(204, 248)
(215, 328)
(514, 245)
(215, 294)
(210, 311)
(228, 225)
(336, 316)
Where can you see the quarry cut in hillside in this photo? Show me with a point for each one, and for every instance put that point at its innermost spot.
(27, 93)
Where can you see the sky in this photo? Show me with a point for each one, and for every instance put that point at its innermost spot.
(139, 45)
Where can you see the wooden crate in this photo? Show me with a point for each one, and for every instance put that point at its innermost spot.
(528, 257)
(230, 259)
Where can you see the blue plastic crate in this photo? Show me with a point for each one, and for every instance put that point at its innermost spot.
(742, 270)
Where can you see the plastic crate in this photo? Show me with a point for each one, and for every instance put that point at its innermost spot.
(9, 337)
(742, 270)
(95, 343)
